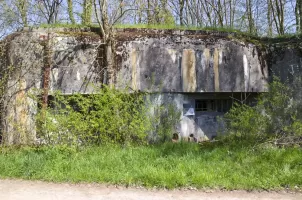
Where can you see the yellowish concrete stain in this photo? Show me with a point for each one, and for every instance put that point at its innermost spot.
(189, 70)
(206, 54)
(216, 70)
(133, 56)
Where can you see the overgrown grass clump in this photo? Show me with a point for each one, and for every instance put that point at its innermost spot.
(170, 165)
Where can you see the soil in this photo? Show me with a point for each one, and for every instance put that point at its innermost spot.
(36, 190)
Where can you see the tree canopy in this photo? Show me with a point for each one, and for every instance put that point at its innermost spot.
(258, 17)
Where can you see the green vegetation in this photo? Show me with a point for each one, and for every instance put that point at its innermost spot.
(170, 165)
(144, 26)
(63, 25)
(108, 116)
(277, 117)
(163, 121)
(287, 39)
(106, 137)
(174, 26)
(84, 143)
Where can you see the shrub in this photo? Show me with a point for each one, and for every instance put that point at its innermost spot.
(245, 120)
(108, 116)
(277, 115)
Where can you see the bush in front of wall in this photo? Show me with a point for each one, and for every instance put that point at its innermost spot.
(105, 117)
(276, 118)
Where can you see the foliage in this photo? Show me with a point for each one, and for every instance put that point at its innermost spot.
(245, 120)
(108, 116)
(277, 115)
(169, 165)
(164, 120)
(165, 16)
(258, 17)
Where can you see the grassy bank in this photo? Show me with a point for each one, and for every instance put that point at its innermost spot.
(168, 165)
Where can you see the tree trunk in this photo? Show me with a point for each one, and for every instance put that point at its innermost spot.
(110, 61)
(297, 15)
(269, 19)
(251, 25)
(149, 12)
(232, 13)
(87, 12)
(181, 11)
(220, 14)
(22, 6)
(278, 15)
(300, 15)
(70, 11)
(208, 14)
(108, 36)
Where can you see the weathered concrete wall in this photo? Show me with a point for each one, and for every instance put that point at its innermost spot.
(180, 66)
(180, 62)
(72, 70)
(286, 64)
(24, 57)
(75, 67)
(191, 64)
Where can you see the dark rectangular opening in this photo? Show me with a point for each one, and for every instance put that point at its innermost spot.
(213, 105)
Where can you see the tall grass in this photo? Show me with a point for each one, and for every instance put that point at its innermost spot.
(168, 165)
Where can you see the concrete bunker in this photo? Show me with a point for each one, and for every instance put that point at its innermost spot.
(203, 73)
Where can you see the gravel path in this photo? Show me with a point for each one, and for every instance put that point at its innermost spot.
(36, 190)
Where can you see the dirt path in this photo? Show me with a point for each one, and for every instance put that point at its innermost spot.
(35, 190)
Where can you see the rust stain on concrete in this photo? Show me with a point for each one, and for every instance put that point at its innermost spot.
(188, 70)
(133, 56)
(216, 70)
